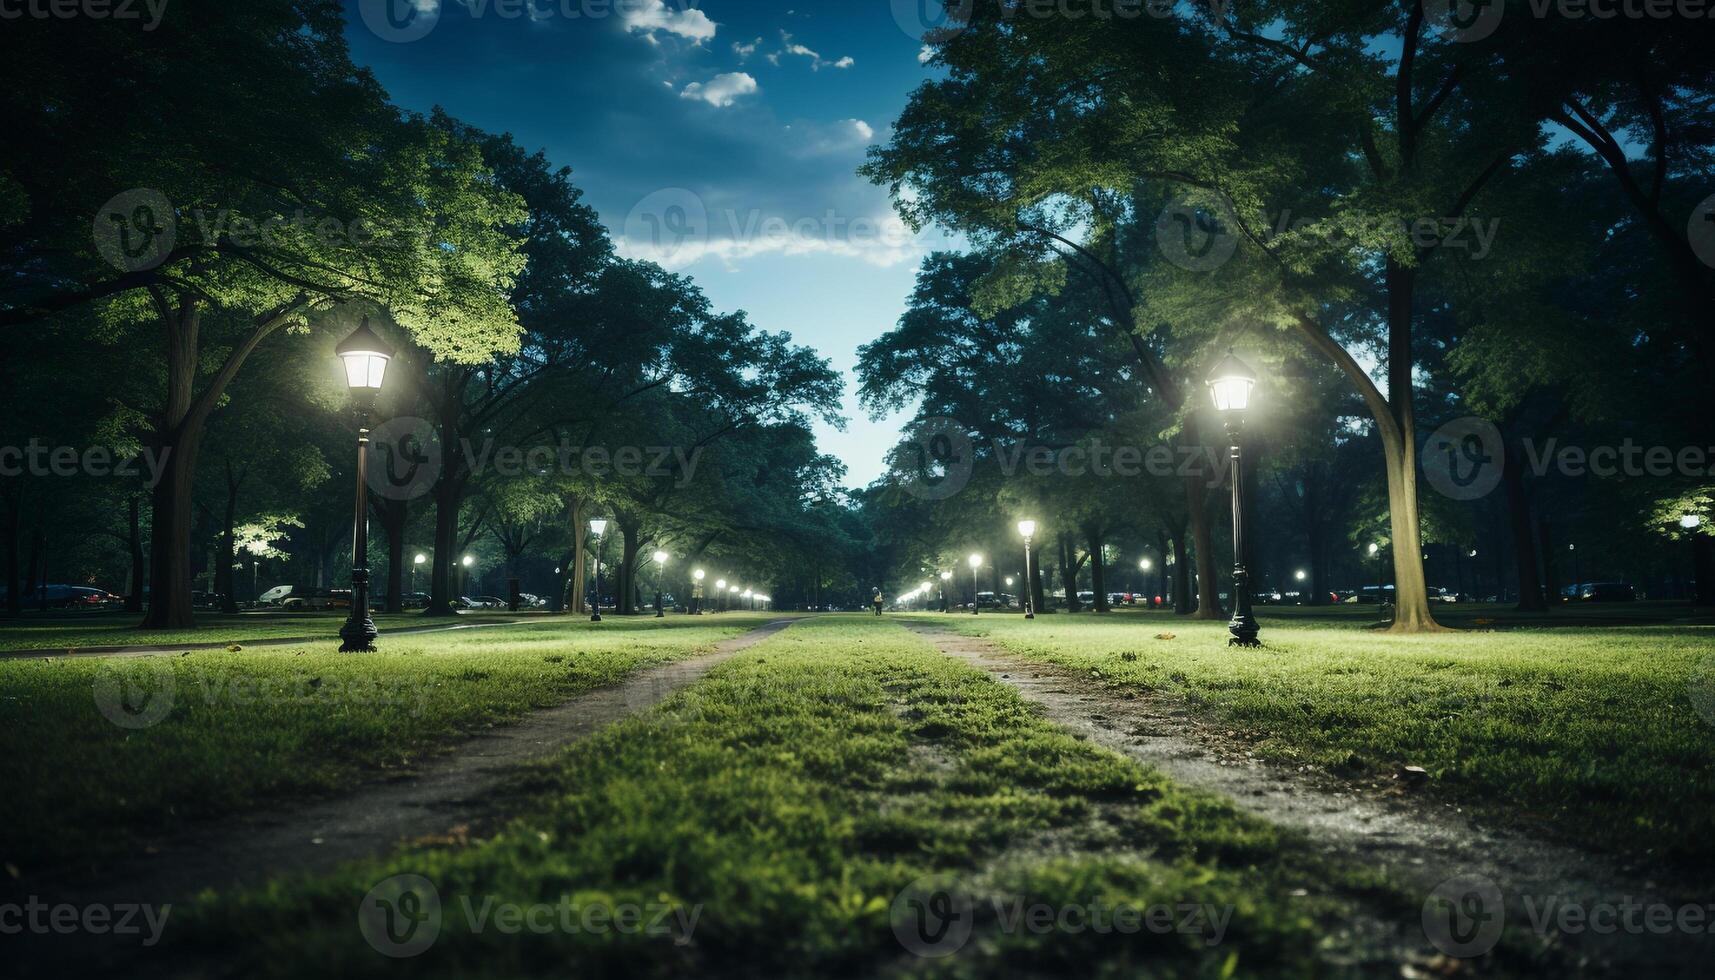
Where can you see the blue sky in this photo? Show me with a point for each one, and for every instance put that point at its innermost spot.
(718, 137)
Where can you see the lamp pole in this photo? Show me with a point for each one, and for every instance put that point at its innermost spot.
(1027, 530)
(976, 583)
(365, 356)
(946, 604)
(1230, 385)
(598, 527)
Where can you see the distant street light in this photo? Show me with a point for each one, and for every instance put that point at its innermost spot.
(598, 527)
(1691, 522)
(661, 564)
(720, 593)
(1230, 386)
(697, 591)
(1027, 530)
(946, 605)
(419, 560)
(976, 585)
(1301, 575)
(365, 355)
(1381, 577)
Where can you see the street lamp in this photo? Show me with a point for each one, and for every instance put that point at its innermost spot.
(946, 605)
(750, 599)
(697, 592)
(1027, 530)
(1577, 585)
(976, 585)
(415, 562)
(1230, 385)
(661, 564)
(598, 527)
(365, 356)
(720, 591)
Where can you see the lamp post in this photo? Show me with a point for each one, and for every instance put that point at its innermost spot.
(464, 574)
(1689, 523)
(598, 527)
(660, 569)
(720, 593)
(415, 564)
(1230, 385)
(749, 598)
(697, 592)
(1577, 583)
(1381, 585)
(731, 596)
(946, 605)
(1149, 593)
(1027, 530)
(976, 583)
(365, 356)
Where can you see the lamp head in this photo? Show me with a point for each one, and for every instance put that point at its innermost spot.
(976, 561)
(720, 583)
(469, 561)
(598, 527)
(698, 574)
(420, 559)
(660, 557)
(1691, 522)
(365, 355)
(1027, 529)
(1230, 384)
(946, 575)
(1146, 564)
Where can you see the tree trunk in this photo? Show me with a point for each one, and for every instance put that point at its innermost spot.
(1411, 588)
(170, 538)
(1203, 540)
(631, 540)
(14, 528)
(134, 544)
(1181, 577)
(223, 577)
(1530, 591)
(1550, 570)
(1098, 570)
(1703, 568)
(1069, 573)
(393, 515)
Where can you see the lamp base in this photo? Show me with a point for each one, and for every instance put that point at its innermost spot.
(1243, 633)
(358, 635)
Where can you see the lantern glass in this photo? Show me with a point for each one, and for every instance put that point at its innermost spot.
(1027, 529)
(598, 527)
(976, 561)
(1230, 384)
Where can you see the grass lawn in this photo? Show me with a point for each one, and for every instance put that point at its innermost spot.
(771, 819)
(107, 629)
(1594, 729)
(242, 728)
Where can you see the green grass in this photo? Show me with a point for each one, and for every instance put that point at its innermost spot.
(108, 629)
(783, 804)
(1593, 730)
(273, 722)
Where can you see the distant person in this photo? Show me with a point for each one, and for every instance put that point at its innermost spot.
(876, 601)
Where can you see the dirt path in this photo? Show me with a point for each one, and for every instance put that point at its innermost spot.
(1422, 845)
(446, 793)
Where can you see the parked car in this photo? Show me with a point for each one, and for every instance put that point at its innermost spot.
(1602, 592)
(1369, 595)
(309, 600)
(275, 596)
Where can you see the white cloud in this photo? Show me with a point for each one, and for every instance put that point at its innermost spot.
(817, 62)
(883, 241)
(865, 131)
(924, 56)
(721, 90)
(744, 51)
(649, 16)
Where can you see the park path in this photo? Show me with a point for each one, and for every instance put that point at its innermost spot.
(1420, 844)
(444, 795)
